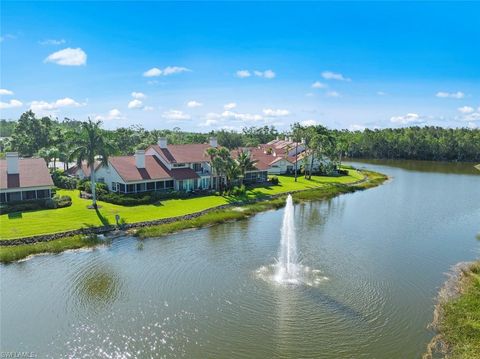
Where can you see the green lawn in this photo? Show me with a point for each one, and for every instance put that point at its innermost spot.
(78, 215)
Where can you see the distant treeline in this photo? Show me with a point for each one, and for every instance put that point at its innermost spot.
(416, 143)
(47, 137)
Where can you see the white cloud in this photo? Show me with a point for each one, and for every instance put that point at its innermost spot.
(43, 106)
(243, 73)
(381, 93)
(10, 104)
(329, 75)
(5, 92)
(310, 94)
(457, 95)
(52, 42)
(270, 112)
(7, 37)
(465, 109)
(113, 114)
(355, 127)
(268, 74)
(332, 94)
(138, 95)
(319, 85)
(474, 116)
(135, 104)
(472, 125)
(148, 108)
(309, 123)
(230, 106)
(68, 57)
(408, 119)
(176, 115)
(153, 72)
(169, 70)
(241, 116)
(193, 104)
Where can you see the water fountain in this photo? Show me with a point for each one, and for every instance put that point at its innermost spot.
(287, 262)
(288, 269)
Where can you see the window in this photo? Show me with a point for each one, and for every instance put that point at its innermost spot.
(3, 198)
(101, 180)
(197, 167)
(130, 188)
(159, 185)
(121, 187)
(14, 196)
(168, 184)
(140, 187)
(114, 186)
(43, 193)
(179, 165)
(150, 186)
(29, 195)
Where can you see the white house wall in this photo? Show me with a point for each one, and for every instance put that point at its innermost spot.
(109, 174)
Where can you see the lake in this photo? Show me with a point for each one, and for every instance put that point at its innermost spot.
(379, 255)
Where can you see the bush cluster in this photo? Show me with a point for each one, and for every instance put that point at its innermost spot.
(136, 199)
(33, 205)
(86, 186)
(274, 180)
(60, 180)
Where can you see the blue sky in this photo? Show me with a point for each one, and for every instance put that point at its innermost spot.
(202, 66)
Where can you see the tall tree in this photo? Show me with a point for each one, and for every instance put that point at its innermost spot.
(90, 145)
(245, 163)
(211, 152)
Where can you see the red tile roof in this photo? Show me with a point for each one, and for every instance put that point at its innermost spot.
(183, 174)
(127, 169)
(86, 170)
(264, 160)
(183, 153)
(33, 172)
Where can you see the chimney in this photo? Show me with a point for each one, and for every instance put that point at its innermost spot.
(213, 142)
(162, 142)
(12, 163)
(303, 140)
(286, 138)
(140, 158)
(289, 139)
(278, 138)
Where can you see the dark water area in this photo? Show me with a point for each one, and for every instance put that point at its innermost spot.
(381, 255)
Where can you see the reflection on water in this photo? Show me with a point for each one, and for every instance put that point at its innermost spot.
(96, 286)
(373, 262)
(426, 166)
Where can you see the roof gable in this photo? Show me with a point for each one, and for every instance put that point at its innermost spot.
(32, 172)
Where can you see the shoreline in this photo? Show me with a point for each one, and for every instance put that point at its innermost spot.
(18, 249)
(455, 289)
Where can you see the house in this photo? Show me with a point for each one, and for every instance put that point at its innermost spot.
(82, 171)
(159, 167)
(24, 179)
(189, 165)
(133, 174)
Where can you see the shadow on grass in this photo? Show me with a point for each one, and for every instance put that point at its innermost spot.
(102, 218)
(15, 215)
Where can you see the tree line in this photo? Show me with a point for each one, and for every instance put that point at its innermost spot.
(53, 139)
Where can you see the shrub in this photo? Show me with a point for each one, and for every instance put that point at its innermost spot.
(274, 180)
(85, 186)
(22, 206)
(63, 201)
(238, 191)
(62, 181)
(127, 200)
(50, 204)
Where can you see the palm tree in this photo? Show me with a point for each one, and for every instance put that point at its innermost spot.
(232, 172)
(90, 144)
(245, 163)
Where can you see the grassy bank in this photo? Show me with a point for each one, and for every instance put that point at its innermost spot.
(15, 253)
(256, 200)
(459, 323)
(78, 216)
(249, 209)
